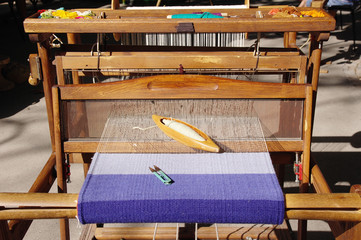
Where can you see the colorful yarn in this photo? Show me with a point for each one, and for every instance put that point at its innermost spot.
(313, 13)
(63, 14)
(293, 12)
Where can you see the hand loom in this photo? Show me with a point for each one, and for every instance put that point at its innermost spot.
(150, 88)
(217, 106)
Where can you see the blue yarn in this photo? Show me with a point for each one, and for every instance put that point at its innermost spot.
(196, 15)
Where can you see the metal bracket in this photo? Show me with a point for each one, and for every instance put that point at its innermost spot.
(297, 168)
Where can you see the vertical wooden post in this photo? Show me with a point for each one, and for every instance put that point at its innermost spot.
(289, 39)
(306, 157)
(21, 7)
(314, 55)
(81, 108)
(74, 38)
(247, 3)
(114, 6)
(48, 82)
(64, 223)
(4, 229)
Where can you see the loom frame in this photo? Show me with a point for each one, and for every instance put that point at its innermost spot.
(181, 87)
(298, 206)
(41, 33)
(117, 22)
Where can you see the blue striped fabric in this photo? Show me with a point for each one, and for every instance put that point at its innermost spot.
(207, 188)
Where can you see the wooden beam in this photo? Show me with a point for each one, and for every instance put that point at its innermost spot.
(84, 146)
(190, 60)
(323, 201)
(60, 200)
(24, 214)
(182, 86)
(330, 207)
(155, 21)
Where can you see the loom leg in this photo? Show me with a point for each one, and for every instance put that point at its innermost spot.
(302, 230)
(64, 229)
(74, 38)
(340, 230)
(88, 232)
(352, 230)
(49, 81)
(4, 230)
(43, 183)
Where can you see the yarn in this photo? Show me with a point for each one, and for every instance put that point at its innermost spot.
(63, 14)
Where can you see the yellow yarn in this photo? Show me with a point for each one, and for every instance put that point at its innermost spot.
(313, 13)
(64, 14)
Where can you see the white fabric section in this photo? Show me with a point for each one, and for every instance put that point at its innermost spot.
(203, 163)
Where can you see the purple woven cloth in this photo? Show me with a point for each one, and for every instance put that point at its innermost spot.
(207, 188)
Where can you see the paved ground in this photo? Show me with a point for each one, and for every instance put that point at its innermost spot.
(24, 135)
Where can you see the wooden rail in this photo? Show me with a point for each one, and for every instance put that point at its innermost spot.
(330, 207)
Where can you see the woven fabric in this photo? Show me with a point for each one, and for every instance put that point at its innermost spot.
(207, 188)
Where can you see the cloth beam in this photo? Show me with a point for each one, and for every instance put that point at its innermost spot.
(207, 188)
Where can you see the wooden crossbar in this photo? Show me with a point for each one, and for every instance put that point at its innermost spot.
(166, 60)
(330, 207)
(183, 87)
(83, 146)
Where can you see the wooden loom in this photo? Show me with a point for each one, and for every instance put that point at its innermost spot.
(116, 21)
(329, 207)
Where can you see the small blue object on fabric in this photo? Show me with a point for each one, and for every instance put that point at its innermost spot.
(197, 15)
(207, 188)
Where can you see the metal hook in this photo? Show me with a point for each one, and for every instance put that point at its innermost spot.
(54, 40)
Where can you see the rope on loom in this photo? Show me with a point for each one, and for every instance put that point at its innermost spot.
(143, 129)
(155, 230)
(216, 226)
(177, 233)
(307, 41)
